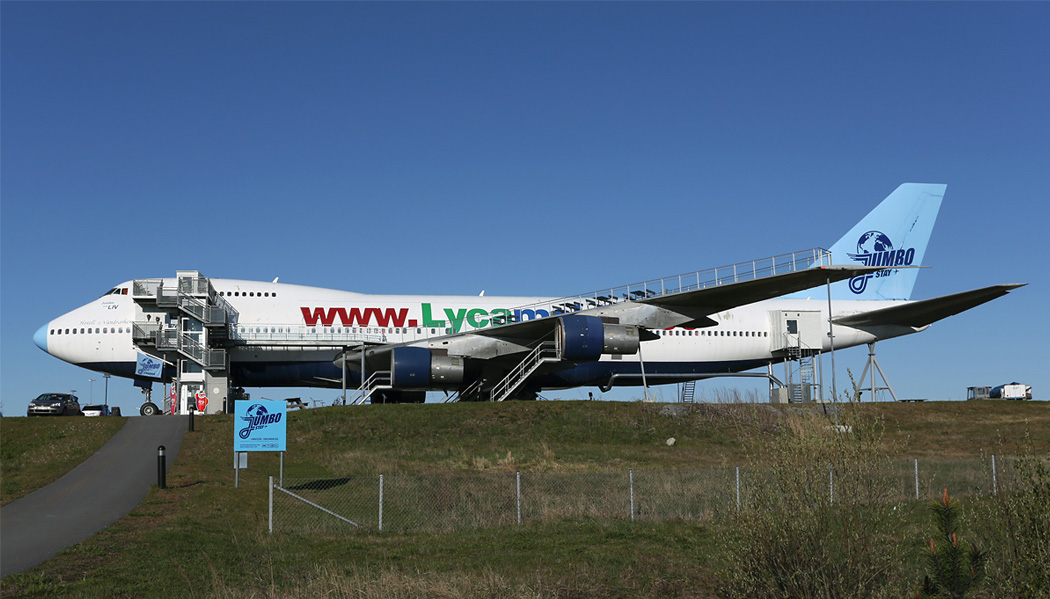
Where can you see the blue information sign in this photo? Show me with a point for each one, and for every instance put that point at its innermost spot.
(260, 426)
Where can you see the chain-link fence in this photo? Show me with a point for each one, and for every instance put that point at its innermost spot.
(399, 503)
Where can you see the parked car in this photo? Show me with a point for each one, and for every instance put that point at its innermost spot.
(55, 404)
(97, 410)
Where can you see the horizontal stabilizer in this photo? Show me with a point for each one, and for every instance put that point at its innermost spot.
(924, 312)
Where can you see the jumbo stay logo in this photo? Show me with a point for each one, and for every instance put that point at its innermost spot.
(477, 318)
(874, 248)
(258, 417)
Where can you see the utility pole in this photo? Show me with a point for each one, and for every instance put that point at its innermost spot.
(106, 376)
(91, 392)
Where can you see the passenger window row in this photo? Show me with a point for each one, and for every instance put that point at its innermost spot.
(248, 293)
(712, 333)
(88, 330)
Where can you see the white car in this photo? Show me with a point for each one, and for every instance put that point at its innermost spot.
(96, 410)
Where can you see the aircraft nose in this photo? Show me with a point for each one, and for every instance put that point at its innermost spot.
(40, 338)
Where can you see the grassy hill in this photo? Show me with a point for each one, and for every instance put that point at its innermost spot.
(202, 537)
(37, 451)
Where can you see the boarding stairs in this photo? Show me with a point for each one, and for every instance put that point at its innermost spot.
(805, 388)
(189, 346)
(545, 352)
(470, 391)
(688, 392)
(209, 316)
(380, 379)
(176, 340)
(207, 313)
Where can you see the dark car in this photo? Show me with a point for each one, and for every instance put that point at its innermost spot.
(55, 404)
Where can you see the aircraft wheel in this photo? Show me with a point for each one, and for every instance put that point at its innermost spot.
(149, 409)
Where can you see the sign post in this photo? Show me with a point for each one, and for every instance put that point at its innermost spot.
(258, 426)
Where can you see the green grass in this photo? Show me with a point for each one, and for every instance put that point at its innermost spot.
(202, 537)
(37, 451)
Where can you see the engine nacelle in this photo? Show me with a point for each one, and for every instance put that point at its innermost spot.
(420, 368)
(585, 338)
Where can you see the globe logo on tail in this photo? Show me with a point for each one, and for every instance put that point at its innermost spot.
(874, 248)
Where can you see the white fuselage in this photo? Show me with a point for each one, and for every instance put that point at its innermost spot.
(289, 335)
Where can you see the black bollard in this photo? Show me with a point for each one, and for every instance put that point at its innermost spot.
(161, 481)
(191, 419)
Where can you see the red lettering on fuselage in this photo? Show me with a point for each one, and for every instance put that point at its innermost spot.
(356, 317)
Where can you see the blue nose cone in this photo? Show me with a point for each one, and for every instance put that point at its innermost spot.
(40, 337)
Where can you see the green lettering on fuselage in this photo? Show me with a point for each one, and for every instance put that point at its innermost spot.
(428, 321)
(475, 318)
(472, 318)
(456, 318)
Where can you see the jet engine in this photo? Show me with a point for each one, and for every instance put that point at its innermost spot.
(585, 338)
(422, 368)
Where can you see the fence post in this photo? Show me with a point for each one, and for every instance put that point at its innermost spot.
(271, 505)
(995, 485)
(738, 488)
(831, 482)
(517, 477)
(380, 503)
(630, 478)
(916, 478)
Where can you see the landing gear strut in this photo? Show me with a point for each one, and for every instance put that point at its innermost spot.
(149, 408)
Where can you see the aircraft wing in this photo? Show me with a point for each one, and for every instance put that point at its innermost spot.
(732, 295)
(925, 312)
(684, 308)
(692, 307)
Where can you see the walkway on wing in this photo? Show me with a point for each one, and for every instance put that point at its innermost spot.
(90, 497)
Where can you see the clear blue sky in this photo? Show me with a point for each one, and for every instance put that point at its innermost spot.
(519, 148)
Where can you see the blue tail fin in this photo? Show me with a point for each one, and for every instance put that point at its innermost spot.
(895, 233)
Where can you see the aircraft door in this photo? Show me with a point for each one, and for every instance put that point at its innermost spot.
(795, 328)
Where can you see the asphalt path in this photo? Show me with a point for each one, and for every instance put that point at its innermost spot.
(95, 494)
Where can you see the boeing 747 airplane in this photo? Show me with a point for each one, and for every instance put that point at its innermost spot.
(210, 336)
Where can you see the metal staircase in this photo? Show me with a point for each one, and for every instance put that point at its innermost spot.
(379, 379)
(469, 391)
(209, 314)
(688, 392)
(186, 323)
(192, 296)
(546, 351)
(805, 388)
